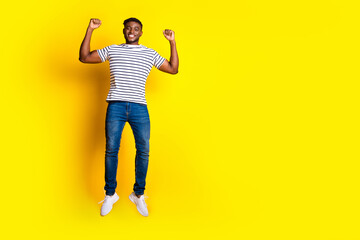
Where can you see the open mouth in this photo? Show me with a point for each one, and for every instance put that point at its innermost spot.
(131, 35)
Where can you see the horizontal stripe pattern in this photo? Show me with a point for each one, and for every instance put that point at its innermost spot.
(130, 66)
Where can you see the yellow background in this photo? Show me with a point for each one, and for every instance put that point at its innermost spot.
(256, 137)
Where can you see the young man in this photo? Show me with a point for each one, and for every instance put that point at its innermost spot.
(130, 65)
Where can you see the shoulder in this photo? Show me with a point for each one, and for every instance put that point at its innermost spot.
(107, 48)
(114, 46)
(149, 50)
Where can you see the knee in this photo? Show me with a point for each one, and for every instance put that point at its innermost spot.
(143, 147)
(112, 148)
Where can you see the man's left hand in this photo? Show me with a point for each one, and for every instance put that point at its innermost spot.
(169, 34)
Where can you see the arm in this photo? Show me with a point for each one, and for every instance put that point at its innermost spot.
(171, 66)
(85, 55)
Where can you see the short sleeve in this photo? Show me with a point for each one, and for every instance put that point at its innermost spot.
(158, 60)
(104, 53)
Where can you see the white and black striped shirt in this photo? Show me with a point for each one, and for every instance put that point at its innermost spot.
(130, 66)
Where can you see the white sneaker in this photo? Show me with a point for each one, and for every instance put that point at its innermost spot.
(108, 203)
(140, 204)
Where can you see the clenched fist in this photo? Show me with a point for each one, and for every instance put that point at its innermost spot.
(94, 23)
(169, 34)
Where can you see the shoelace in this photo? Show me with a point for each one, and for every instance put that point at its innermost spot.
(143, 199)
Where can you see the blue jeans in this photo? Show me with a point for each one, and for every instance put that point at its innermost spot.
(117, 114)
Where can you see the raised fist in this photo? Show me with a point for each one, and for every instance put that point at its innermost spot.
(169, 34)
(94, 23)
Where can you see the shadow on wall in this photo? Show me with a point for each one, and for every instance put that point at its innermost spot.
(89, 85)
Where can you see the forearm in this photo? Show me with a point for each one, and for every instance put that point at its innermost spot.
(174, 59)
(85, 45)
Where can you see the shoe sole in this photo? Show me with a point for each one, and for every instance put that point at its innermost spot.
(116, 199)
(133, 201)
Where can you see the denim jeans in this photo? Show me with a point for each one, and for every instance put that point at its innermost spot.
(117, 114)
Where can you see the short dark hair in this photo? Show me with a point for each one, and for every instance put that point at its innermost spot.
(133, 20)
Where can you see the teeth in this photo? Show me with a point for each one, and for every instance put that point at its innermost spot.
(131, 35)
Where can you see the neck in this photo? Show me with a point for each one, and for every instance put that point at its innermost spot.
(132, 43)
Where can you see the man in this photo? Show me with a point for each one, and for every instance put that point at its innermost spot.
(130, 65)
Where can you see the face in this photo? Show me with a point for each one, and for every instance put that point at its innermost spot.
(132, 32)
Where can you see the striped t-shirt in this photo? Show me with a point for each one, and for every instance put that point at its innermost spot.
(130, 66)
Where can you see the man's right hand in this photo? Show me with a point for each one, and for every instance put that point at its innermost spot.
(85, 55)
(94, 23)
